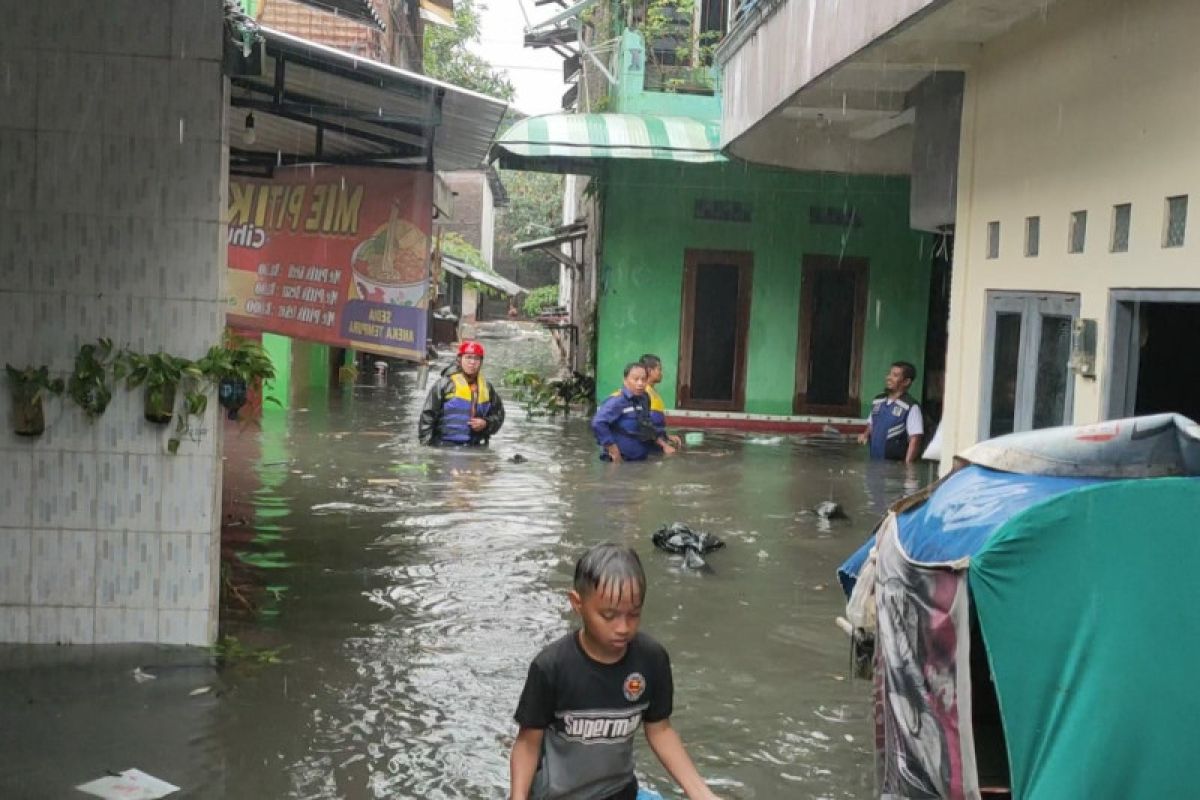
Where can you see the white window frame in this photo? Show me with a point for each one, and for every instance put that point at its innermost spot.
(1033, 307)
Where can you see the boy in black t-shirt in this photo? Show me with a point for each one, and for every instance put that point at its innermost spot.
(588, 693)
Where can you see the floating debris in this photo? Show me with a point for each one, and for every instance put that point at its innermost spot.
(680, 539)
(132, 784)
(142, 677)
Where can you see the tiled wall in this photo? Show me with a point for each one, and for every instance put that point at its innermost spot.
(112, 182)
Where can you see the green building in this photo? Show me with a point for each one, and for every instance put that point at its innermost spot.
(776, 299)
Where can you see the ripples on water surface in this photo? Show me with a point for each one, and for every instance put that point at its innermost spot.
(420, 584)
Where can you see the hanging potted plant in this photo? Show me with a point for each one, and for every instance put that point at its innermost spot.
(88, 386)
(28, 387)
(161, 375)
(238, 367)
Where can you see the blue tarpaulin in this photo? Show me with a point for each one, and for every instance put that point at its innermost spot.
(961, 514)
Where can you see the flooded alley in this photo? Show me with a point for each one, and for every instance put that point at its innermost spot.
(387, 598)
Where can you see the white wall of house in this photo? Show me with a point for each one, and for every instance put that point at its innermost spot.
(1089, 106)
(470, 303)
(112, 191)
(487, 223)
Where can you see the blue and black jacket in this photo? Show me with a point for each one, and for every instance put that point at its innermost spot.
(889, 426)
(624, 420)
(451, 403)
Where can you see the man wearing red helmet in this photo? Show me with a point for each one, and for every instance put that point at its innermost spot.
(463, 408)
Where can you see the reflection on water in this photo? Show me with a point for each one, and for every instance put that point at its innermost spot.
(411, 587)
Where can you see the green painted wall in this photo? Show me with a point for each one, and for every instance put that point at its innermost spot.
(630, 95)
(279, 348)
(649, 222)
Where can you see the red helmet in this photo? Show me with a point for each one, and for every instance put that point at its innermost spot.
(470, 348)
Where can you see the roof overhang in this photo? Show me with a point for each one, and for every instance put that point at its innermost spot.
(560, 245)
(465, 271)
(358, 10)
(825, 86)
(438, 12)
(313, 104)
(583, 143)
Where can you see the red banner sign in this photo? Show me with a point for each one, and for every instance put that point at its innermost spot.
(333, 255)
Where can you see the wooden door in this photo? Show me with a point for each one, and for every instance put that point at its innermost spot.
(833, 311)
(713, 330)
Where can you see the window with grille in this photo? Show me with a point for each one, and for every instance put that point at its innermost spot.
(1033, 233)
(1120, 228)
(1078, 232)
(1176, 225)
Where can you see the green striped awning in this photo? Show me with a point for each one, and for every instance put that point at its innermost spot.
(581, 143)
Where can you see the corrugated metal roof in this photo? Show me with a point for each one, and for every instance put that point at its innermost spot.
(464, 270)
(316, 104)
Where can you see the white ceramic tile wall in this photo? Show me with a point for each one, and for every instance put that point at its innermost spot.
(112, 173)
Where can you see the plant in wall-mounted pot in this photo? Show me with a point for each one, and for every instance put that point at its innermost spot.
(237, 367)
(28, 387)
(88, 386)
(161, 375)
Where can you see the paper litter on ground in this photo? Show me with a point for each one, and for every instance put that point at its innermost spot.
(132, 784)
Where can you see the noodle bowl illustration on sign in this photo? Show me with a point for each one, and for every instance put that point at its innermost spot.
(389, 267)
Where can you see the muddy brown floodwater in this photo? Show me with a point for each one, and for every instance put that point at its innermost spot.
(403, 591)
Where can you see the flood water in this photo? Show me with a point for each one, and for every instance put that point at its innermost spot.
(405, 589)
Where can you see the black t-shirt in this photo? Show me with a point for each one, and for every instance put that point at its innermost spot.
(589, 712)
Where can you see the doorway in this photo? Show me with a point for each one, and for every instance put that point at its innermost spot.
(1027, 381)
(833, 312)
(1149, 374)
(713, 330)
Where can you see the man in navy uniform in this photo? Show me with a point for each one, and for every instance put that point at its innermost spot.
(896, 427)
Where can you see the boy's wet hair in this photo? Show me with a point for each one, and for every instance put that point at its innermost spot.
(609, 568)
(631, 366)
(650, 361)
(906, 369)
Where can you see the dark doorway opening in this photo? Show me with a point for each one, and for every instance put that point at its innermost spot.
(1166, 380)
(714, 325)
(833, 310)
(937, 333)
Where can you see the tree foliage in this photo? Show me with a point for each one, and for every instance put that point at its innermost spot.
(539, 299)
(534, 210)
(455, 246)
(448, 58)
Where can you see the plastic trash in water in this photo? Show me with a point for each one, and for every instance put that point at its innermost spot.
(693, 438)
(770, 441)
(132, 784)
(141, 676)
(648, 794)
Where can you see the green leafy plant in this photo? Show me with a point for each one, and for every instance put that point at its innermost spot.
(539, 396)
(539, 299)
(238, 359)
(230, 652)
(237, 366)
(89, 384)
(28, 387)
(163, 375)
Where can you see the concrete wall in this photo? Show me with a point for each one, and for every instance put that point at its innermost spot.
(938, 104)
(112, 176)
(641, 279)
(799, 42)
(1092, 106)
